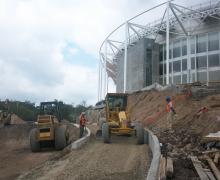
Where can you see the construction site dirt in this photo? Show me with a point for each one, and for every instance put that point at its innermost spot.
(15, 154)
(122, 159)
(195, 118)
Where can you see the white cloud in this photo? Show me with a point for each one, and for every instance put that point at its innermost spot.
(33, 35)
(73, 51)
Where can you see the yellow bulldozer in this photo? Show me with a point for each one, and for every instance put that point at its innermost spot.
(117, 121)
(48, 130)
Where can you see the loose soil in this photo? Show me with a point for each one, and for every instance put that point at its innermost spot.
(188, 129)
(15, 154)
(121, 159)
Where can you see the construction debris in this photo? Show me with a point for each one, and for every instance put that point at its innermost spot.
(209, 174)
(198, 166)
(213, 167)
(169, 167)
(162, 170)
(217, 155)
(212, 137)
(200, 111)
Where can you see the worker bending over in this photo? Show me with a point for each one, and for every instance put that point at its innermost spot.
(82, 123)
(171, 113)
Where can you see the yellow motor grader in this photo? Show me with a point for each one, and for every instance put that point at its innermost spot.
(49, 130)
(117, 120)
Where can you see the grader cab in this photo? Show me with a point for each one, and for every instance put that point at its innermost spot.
(49, 130)
(117, 120)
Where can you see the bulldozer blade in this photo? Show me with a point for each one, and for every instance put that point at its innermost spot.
(98, 134)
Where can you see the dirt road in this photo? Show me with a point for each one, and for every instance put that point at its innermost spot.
(15, 154)
(122, 159)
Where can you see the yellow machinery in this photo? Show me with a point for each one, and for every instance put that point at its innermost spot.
(49, 130)
(117, 120)
(5, 116)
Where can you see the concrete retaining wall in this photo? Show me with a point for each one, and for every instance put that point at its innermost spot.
(154, 145)
(78, 143)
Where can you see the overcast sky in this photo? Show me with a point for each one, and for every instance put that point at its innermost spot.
(49, 48)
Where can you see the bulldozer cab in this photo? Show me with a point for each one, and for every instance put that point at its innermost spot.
(49, 128)
(50, 108)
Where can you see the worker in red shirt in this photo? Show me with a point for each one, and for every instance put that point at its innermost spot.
(171, 112)
(82, 123)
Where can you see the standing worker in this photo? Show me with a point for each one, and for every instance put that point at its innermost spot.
(171, 112)
(82, 123)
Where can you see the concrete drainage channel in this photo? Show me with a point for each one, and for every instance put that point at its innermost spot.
(78, 143)
(154, 145)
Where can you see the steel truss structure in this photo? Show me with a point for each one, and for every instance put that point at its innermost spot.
(174, 15)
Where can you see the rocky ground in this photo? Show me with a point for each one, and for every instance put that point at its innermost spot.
(188, 129)
(15, 154)
(122, 159)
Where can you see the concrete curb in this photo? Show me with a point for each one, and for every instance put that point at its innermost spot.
(79, 142)
(154, 144)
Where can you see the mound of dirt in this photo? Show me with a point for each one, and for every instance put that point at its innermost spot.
(196, 117)
(16, 120)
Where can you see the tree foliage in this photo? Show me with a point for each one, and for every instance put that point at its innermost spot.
(28, 111)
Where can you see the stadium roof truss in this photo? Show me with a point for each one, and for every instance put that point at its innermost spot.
(174, 15)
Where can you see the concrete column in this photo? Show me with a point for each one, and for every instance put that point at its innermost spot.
(125, 56)
(105, 78)
(99, 80)
(167, 42)
(189, 74)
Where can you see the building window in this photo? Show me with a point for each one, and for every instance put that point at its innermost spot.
(161, 52)
(161, 69)
(202, 76)
(184, 64)
(192, 45)
(192, 63)
(213, 60)
(214, 75)
(176, 49)
(184, 78)
(170, 67)
(213, 41)
(201, 43)
(170, 52)
(165, 68)
(176, 66)
(176, 79)
(201, 62)
(184, 47)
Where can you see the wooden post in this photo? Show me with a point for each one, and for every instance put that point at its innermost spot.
(198, 167)
(169, 167)
(217, 155)
(213, 167)
(162, 168)
(209, 174)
